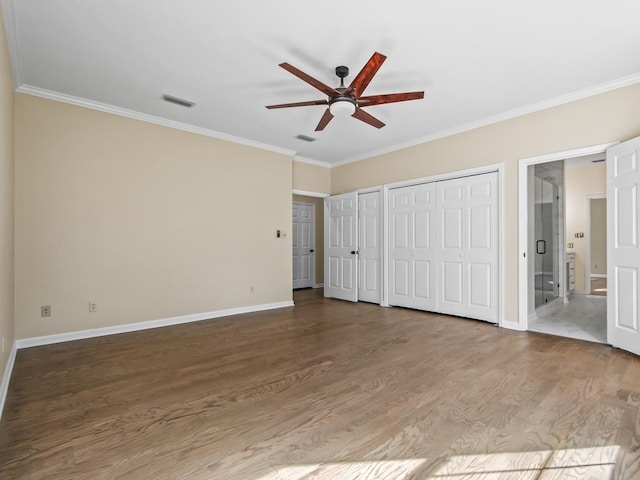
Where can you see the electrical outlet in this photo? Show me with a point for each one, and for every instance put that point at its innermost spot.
(45, 311)
(93, 306)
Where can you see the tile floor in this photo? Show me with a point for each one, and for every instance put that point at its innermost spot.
(584, 318)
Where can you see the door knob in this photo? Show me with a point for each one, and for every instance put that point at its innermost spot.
(311, 251)
(354, 252)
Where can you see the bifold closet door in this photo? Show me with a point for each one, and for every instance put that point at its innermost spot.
(467, 247)
(369, 253)
(411, 247)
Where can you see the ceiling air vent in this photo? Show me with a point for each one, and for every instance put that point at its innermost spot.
(178, 101)
(306, 138)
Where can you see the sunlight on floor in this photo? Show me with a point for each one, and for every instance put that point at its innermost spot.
(594, 463)
(387, 469)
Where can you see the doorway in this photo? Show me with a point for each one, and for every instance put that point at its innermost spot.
(317, 201)
(596, 254)
(559, 246)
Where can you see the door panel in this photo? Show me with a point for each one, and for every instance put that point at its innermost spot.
(411, 252)
(303, 244)
(623, 262)
(468, 246)
(341, 239)
(369, 253)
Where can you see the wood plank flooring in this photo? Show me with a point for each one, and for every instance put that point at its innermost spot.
(324, 390)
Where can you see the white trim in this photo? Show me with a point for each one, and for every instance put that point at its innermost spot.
(134, 327)
(143, 117)
(6, 377)
(598, 275)
(501, 251)
(518, 112)
(384, 298)
(10, 24)
(311, 161)
(495, 167)
(370, 189)
(523, 234)
(305, 193)
(319, 285)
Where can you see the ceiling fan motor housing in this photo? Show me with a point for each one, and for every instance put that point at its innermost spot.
(342, 71)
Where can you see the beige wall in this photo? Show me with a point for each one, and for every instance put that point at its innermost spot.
(608, 117)
(147, 221)
(6, 202)
(319, 234)
(580, 182)
(311, 178)
(598, 254)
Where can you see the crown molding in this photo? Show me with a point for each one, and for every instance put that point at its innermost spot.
(307, 193)
(143, 117)
(518, 112)
(310, 161)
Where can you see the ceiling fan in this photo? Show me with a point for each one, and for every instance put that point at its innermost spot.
(345, 101)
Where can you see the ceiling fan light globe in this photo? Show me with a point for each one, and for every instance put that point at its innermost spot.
(342, 108)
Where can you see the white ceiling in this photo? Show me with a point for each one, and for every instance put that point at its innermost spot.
(477, 62)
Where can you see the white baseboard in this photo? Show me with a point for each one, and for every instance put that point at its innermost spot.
(598, 275)
(319, 285)
(134, 327)
(6, 377)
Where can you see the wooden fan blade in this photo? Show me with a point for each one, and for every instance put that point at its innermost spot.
(365, 76)
(326, 89)
(299, 104)
(389, 98)
(326, 118)
(367, 118)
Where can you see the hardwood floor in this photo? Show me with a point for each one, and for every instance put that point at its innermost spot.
(598, 286)
(324, 390)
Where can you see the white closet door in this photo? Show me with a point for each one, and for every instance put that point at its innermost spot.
(369, 275)
(623, 212)
(411, 247)
(302, 243)
(341, 247)
(468, 247)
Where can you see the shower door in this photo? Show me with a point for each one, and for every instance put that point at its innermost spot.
(546, 234)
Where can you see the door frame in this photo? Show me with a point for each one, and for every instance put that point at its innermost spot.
(496, 167)
(312, 272)
(587, 229)
(523, 222)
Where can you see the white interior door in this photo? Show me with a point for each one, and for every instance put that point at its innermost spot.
(411, 246)
(623, 262)
(467, 244)
(341, 246)
(370, 231)
(303, 244)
